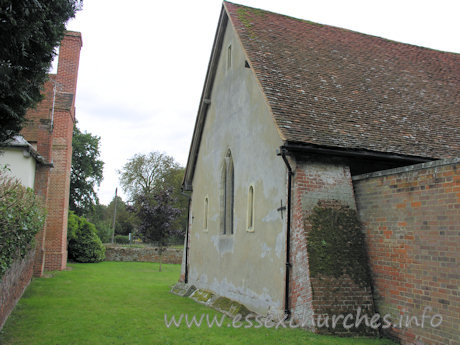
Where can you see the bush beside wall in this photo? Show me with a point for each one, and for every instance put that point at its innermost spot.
(21, 217)
(84, 244)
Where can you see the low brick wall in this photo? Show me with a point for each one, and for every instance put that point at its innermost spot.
(144, 254)
(14, 283)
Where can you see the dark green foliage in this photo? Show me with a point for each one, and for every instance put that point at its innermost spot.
(29, 32)
(73, 222)
(125, 222)
(145, 175)
(102, 217)
(86, 172)
(104, 231)
(174, 181)
(84, 244)
(336, 244)
(99, 217)
(21, 217)
(121, 239)
(157, 215)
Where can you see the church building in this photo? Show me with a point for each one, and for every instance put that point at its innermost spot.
(291, 111)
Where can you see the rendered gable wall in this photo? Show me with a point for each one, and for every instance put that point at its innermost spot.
(248, 267)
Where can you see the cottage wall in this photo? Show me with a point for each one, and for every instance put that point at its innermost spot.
(20, 163)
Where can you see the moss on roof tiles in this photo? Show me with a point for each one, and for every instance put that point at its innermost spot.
(408, 96)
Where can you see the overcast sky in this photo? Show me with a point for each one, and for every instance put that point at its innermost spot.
(143, 62)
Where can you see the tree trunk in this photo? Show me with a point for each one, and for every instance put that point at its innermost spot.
(161, 259)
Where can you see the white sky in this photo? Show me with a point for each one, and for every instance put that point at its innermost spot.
(143, 62)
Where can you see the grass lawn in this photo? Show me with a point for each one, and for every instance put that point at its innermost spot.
(125, 303)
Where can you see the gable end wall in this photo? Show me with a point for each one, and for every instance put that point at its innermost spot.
(239, 120)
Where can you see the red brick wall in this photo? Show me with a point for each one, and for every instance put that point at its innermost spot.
(51, 131)
(412, 218)
(320, 182)
(13, 283)
(300, 294)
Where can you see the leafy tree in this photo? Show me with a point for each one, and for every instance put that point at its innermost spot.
(174, 180)
(102, 217)
(86, 172)
(146, 173)
(98, 216)
(157, 214)
(30, 30)
(125, 221)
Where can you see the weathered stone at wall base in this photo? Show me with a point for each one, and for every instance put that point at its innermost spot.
(182, 289)
(210, 299)
(13, 284)
(144, 254)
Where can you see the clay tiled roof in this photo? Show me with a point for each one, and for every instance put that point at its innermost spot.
(333, 87)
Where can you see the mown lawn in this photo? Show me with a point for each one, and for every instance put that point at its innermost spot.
(125, 303)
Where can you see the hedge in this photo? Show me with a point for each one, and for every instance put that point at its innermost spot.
(22, 215)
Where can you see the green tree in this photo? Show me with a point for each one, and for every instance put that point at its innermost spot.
(146, 173)
(30, 30)
(180, 201)
(86, 172)
(150, 174)
(126, 221)
(100, 218)
(157, 214)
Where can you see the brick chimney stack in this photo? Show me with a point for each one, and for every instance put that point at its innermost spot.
(50, 129)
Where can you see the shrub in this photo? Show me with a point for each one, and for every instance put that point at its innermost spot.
(73, 222)
(121, 239)
(21, 217)
(84, 244)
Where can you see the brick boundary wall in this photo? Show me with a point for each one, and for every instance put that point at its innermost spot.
(412, 224)
(145, 254)
(14, 283)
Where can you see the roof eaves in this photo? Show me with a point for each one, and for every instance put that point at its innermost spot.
(302, 148)
(20, 142)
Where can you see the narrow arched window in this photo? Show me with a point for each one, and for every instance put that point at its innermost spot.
(227, 195)
(229, 57)
(205, 219)
(251, 209)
